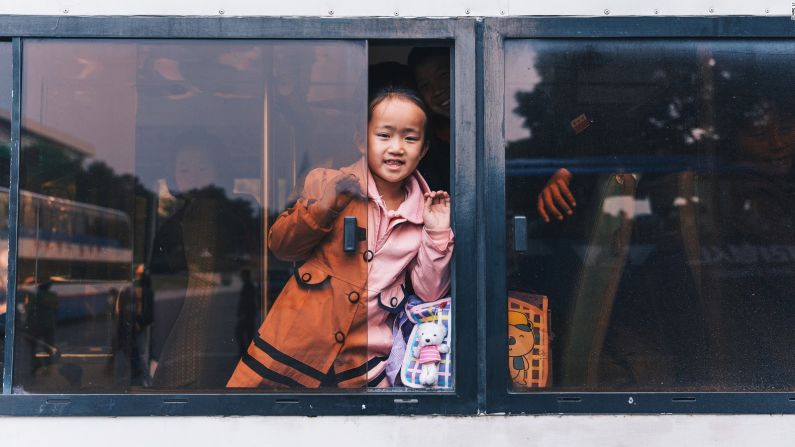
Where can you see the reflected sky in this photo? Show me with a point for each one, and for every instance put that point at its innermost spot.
(123, 102)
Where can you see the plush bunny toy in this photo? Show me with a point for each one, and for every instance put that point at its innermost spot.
(428, 353)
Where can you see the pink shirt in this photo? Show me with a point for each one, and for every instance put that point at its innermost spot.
(429, 354)
(401, 243)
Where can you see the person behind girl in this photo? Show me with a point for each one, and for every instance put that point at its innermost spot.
(332, 323)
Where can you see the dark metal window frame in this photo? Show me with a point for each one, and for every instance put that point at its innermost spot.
(480, 263)
(459, 34)
(492, 170)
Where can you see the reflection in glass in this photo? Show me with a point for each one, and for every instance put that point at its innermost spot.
(150, 170)
(5, 170)
(656, 180)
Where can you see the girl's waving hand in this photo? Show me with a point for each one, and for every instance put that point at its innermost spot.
(436, 210)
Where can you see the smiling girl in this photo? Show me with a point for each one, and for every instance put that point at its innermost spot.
(331, 325)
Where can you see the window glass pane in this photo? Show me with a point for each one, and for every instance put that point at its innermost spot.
(651, 214)
(151, 173)
(5, 169)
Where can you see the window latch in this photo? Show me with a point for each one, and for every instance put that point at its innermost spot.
(520, 233)
(349, 234)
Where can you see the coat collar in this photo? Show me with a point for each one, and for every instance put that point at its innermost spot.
(416, 187)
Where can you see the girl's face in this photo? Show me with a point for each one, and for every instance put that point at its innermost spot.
(395, 139)
(194, 170)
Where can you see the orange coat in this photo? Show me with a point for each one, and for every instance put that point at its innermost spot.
(331, 325)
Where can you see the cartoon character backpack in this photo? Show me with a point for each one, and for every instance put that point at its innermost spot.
(528, 340)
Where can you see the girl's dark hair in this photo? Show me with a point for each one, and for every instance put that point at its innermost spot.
(408, 94)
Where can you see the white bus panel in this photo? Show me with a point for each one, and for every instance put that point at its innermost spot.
(395, 8)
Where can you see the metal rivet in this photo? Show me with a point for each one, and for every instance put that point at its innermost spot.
(467, 11)
(331, 12)
(767, 11)
(711, 10)
(656, 11)
(607, 12)
(631, 400)
(66, 11)
(339, 337)
(397, 13)
(221, 11)
(502, 12)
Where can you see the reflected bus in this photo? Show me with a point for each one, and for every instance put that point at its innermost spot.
(73, 298)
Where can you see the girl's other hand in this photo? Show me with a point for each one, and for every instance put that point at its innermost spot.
(339, 192)
(436, 210)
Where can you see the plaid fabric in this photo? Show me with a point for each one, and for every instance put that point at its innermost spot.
(410, 373)
(535, 308)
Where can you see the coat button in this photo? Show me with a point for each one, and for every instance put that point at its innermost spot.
(339, 336)
(353, 297)
(394, 301)
(306, 277)
(368, 255)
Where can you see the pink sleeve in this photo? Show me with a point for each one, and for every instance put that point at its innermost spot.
(430, 270)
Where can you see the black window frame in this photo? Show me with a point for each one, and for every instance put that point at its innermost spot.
(494, 34)
(458, 34)
(477, 180)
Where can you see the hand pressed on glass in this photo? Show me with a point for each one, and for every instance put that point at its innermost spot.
(338, 194)
(556, 194)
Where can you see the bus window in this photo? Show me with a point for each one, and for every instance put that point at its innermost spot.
(149, 183)
(649, 197)
(425, 71)
(5, 169)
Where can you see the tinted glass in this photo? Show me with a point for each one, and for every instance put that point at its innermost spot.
(651, 215)
(152, 172)
(5, 154)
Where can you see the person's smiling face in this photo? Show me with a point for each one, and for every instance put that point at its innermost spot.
(433, 82)
(396, 140)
